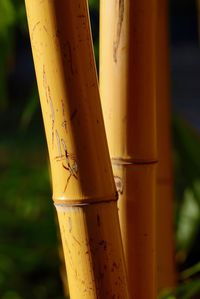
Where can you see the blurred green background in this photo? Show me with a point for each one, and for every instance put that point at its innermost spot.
(29, 257)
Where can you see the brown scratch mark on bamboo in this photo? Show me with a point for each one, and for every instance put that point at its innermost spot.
(59, 158)
(64, 123)
(98, 220)
(76, 240)
(52, 115)
(72, 173)
(71, 167)
(45, 29)
(114, 267)
(118, 29)
(81, 16)
(48, 94)
(45, 85)
(68, 57)
(103, 243)
(69, 251)
(50, 102)
(70, 224)
(69, 254)
(63, 108)
(59, 144)
(34, 28)
(73, 115)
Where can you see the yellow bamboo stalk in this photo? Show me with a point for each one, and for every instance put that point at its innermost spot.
(127, 86)
(62, 267)
(165, 239)
(83, 187)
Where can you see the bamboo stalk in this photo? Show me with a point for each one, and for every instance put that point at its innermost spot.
(127, 86)
(165, 239)
(83, 187)
(62, 268)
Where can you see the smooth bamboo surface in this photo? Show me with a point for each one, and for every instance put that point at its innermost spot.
(136, 186)
(89, 240)
(128, 95)
(62, 267)
(83, 187)
(127, 78)
(165, 237)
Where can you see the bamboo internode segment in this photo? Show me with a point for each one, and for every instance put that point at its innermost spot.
(166, 273)
(165, 239)
(83, 186)
(127, 77)
(65, 69)
(163, 93)
(128, 95)
(136, 187)
(89, 243)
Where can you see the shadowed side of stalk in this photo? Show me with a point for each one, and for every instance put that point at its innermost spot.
(83, 187)
(165, 239)
(128, 94)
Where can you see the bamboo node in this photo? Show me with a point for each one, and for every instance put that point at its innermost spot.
(131, 161)
(84, 201)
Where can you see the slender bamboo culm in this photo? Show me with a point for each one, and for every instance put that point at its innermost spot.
(83, 187)
(128, 94)
(166, 273)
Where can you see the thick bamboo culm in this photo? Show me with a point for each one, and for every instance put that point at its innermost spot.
(83, 187)
(165, 240)
(128, 94)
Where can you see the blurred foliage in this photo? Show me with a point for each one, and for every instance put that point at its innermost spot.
(28, 246)
(187, 176)
(29, 262)
(12, 16)
(187, 210)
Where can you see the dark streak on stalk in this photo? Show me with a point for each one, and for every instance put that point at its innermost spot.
(34, 28)
(120, 17)
(69, 56)
(73, 115)
(76, 241)
(98, 220)
(45, 29)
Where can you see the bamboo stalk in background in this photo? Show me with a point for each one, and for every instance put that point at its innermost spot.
(165, 240)
(127, 87)
(83, 187)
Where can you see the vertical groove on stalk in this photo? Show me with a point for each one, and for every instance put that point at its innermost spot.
(128, 94)
(83, 187)
(165, 240)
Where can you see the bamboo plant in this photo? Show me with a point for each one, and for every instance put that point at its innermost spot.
(165, 240)
(128, 94)
(83, 187)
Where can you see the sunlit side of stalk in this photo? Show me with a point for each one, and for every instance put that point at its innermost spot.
(83, 187)
(128, 94)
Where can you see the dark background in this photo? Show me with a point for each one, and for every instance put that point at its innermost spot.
(29, 261)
